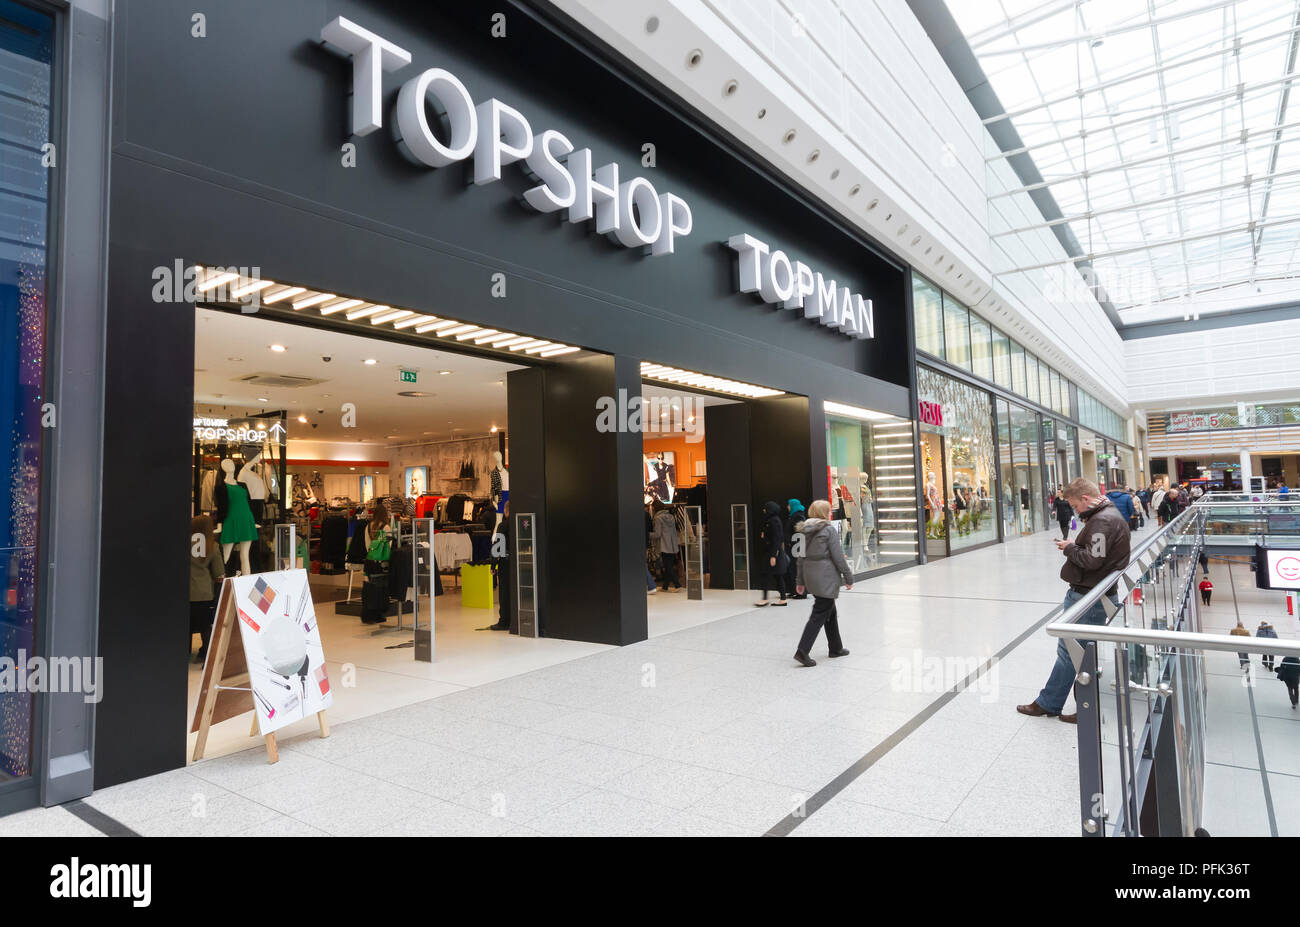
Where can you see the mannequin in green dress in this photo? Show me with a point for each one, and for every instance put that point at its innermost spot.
(239, 526)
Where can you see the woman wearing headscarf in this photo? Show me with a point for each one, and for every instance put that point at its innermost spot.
(822, 569)
(771, 547)
(792, 523)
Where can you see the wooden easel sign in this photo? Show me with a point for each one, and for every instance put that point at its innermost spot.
(274, 666)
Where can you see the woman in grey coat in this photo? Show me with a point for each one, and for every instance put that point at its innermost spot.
(665, 532)
(821, 568)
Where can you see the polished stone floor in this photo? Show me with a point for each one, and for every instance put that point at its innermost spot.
(710, 729)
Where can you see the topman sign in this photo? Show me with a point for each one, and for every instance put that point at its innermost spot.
(794, 285)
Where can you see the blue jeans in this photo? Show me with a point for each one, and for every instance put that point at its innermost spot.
(649, 579)
(1052, 698)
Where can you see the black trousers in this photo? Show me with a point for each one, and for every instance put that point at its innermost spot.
(668, 562)
(1065, 527)
(774, 579)
(823, 615)
(1293, 690)
(503, 592)
(1205, 596)
(201, 615)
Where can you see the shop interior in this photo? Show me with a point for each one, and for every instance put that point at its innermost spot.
(675, 480)
(311, 427)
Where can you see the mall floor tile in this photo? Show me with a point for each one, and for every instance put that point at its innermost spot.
(710, 728)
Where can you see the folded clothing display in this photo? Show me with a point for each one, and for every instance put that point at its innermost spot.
(451, 549)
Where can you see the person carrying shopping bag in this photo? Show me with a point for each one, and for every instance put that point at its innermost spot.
(822, 570)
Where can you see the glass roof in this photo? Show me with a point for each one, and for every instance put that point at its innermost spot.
(1167, 133)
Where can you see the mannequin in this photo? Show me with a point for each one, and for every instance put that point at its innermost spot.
(253, 482)
(237, 523)
(500, 486)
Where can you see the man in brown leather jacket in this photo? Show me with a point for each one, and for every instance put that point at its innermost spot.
(1101, 548)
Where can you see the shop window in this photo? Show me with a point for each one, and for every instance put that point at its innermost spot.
(1045, 384)
(981, 348)
(871, 484)
(927, 307)
(1022, 481)
(956, 333)
(1001, 359)
(1031, 377)
(1006, 467)
(26, 40)
(1017, 369)
(957, 465)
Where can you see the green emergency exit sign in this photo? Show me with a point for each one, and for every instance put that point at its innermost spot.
(407, 376)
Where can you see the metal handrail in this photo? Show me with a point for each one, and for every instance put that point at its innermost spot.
(1186, 640)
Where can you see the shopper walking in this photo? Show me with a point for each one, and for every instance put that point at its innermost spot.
(821, 570)
(1144, 496)
(1240, 631)
(771, 546)
(1064, 514)
(1207, 589)
(1266, 630)
(207, 570)
(1157, 500)
(1100, 549)
(665, 531)
(1289, 673)
(793, 520)
(1168, 509)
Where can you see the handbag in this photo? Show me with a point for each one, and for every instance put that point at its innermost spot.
(381, 547)
(1074, 523)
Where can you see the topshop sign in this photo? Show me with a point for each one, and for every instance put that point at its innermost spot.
(494, 135)
(631, 212)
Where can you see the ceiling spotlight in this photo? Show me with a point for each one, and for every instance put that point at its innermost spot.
(493, 429)
(262, 399)
(303, 419)
(277, 348)
(443, 373)
(370, 362)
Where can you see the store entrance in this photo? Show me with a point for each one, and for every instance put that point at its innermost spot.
(351, 439)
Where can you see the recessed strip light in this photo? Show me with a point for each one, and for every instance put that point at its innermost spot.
(283, 294)
(252, 287)
(839, 408)
(313, 300)
(538, 348)
(414, 320)
(392, 315)
(331, 308)
(215, 280)
(494, 340)
(654, 371)
(435, 326)
(524, 345)
(458, 330)
(556, 352)
(478, 331)
(366, 311)
(511, 342)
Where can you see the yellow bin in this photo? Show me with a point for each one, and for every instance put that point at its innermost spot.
(476, 586)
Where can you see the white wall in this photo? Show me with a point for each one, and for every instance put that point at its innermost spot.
(1239, 364)
(861, 83)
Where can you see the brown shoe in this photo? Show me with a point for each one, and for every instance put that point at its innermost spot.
(1070, 719)
(1035, 710)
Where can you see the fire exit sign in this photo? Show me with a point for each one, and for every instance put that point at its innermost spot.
(407, 376)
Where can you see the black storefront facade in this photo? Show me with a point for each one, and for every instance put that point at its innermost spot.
(230, 145)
